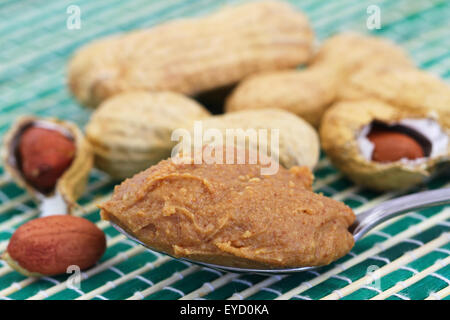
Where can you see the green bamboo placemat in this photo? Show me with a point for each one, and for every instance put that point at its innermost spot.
(410, 254)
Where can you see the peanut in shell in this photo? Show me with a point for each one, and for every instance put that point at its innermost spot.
(407, 88)
(297, 143)
(307, 93)
(193, 55)
(132, 131)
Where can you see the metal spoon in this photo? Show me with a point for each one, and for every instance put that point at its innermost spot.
(364, 222)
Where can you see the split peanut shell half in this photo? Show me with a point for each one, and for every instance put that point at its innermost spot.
(132, 131)
(382, 146)
(48, 157)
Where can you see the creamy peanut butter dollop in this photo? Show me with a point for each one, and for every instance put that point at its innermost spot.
(231, 214)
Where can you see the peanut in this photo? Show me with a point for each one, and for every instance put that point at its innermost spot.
(45, 155)
(47, 246)
(131, 131)
(194, 55)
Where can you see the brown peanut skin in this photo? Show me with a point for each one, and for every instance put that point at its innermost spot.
(49, 245)
(393, 146)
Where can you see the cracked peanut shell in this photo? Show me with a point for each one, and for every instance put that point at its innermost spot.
(71, 184)
(193, 55)
(345, 122)
(132, 131)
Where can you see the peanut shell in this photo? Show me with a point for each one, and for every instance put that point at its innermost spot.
(306, 93)
(340, 127)
(49, 245)
(298, 140)
(232, 215)
(193, 55)
(349, 52)
(132, 131)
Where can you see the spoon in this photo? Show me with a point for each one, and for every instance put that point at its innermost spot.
(364, 222)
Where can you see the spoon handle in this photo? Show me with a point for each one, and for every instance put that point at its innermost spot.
(371, 218)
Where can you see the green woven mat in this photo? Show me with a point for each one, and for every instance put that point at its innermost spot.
(410, 254)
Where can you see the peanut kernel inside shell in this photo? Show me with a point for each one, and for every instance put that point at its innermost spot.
(44, 154)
